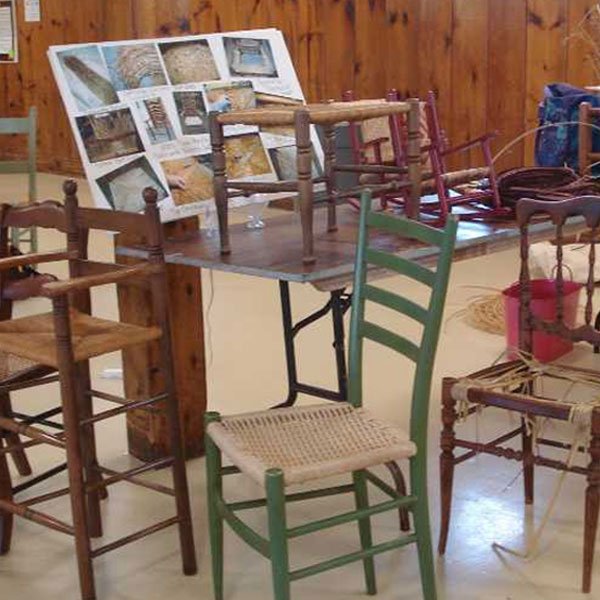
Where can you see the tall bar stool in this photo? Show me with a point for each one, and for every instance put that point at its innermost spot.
(301, 118)
(65, 339)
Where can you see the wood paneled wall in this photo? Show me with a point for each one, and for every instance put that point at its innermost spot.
(487, 59)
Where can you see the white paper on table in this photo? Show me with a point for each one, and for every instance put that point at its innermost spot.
(32, 11)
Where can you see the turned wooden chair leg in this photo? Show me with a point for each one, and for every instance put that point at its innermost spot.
(6, 518)
(305, 185)
(528, 465)
(18, 455)
(70, 396)
(592, 507)
(217, 141)
(88, 449)
(449, 416)
(400, 483)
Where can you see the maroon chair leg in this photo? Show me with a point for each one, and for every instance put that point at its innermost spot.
(527, 442)
(449, 416)
(18, 456)
(6, 518)
(592, 506)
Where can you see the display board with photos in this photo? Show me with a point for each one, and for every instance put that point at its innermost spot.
(139, 112)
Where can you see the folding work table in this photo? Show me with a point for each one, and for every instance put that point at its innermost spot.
(275, 252)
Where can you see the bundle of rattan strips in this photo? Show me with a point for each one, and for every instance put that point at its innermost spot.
(580, 416)
(309, 442)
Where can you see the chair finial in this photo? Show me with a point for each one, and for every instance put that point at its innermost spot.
(150, 195)
(70, 187)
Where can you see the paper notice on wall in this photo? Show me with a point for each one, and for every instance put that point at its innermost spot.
(139, 112)
(8, 32)
(32, 11)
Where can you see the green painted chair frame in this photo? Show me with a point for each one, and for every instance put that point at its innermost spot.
(276, 546)
(23, 126)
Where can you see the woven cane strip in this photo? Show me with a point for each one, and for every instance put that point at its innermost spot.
(301, 437)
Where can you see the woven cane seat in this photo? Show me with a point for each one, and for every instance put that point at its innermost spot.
(33, 338)
(310, 442)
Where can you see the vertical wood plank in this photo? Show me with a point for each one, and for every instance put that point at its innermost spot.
(402, 37)
(506, 77)
(370, 79)
(546, 57)
(579, 68)
(435, 54)
(339, 39)
(469, 80)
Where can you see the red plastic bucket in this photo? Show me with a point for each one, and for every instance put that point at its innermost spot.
(546, 347)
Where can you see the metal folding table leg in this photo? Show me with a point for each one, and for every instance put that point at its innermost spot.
(338, 304)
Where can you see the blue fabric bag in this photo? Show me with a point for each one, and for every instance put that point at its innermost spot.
(559, 146)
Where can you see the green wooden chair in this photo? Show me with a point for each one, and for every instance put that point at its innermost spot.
(287, 446)
(23, 126)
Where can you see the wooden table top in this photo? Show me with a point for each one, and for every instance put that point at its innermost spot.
(275, 252)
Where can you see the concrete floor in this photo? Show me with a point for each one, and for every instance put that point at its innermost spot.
(246, 372)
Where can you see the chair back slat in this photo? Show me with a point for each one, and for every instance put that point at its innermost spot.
(425, 234)
(392, 340)
(398, 303)
(109, 220)
(400, 265)
(48, 214)
(14, 166)
(14, 126)
(422, 353)
(586, 208)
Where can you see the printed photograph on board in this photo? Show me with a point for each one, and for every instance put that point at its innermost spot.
(192, 112)
(123, 187)
(274, 101)
(87, 77)
(156, 120)
(110, 134)
(190, 178)
(284, 163)
(189, 62)
(134, 66)
(249, 57)
(223, 97)
(246, 156)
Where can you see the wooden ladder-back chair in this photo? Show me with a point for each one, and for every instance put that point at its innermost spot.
(486, 203)
(285, 446)
(589, 118)
(66, 339)
(23, 126)
(20, 283)
(512, 385)
(378, 141)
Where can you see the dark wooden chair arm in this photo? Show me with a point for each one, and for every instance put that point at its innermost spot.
(483, 139)
(60, 288)
(11, 262)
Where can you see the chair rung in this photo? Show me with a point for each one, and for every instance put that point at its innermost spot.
(114, 412)
(36, 516)
(353, 515)
(46, 497)
(39, 478)
(157, 487)
(157, 464)
(23, 385)
(31, 432)
(339, 561)
(116, 399)
(134, 537)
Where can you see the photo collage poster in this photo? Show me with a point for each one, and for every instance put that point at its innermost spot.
(139, 112)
